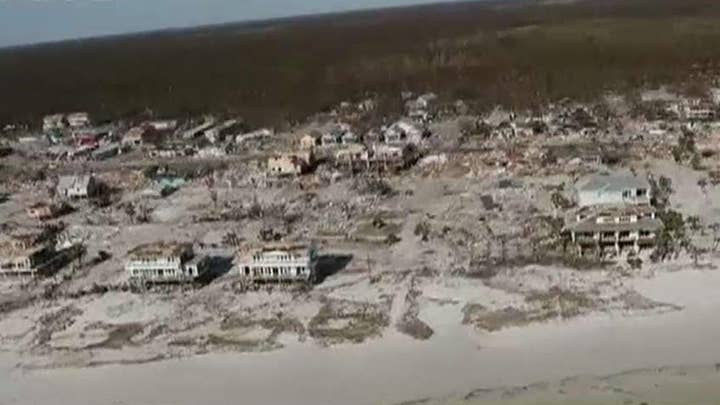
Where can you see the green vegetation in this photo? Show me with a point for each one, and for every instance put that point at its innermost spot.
(519, 55)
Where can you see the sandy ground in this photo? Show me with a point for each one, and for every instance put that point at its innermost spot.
(410, 321)
(456, 362)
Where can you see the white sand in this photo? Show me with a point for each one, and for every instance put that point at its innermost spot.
(396, 368)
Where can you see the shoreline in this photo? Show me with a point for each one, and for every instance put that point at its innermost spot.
(453, 363)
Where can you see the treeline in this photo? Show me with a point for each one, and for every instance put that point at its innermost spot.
(518, 53)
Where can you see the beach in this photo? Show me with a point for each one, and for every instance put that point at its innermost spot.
(456, 362)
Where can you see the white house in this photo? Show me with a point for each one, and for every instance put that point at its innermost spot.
(53, 122)
(163, 125)
(134, 136)
(78, 119)
(404, 131)
(83, 186)
(615, 188)
(164, 262)
(277, 263)
(219, 132)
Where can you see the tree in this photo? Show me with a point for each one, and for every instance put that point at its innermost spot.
(715, 227)
(466, 126)
(422, 229)
(130, 211)
(661, 191)
(703, 183)
(693, 222)
(214, 197)
(143, 214)
(150, 171)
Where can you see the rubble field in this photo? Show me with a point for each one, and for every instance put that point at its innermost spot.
(468, 229)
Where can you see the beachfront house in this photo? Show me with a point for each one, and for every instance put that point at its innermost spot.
(617, 228)
(162, 262)
(277, 263)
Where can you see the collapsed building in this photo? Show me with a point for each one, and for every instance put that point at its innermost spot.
(285, 164)
(277, 263)
(26, 254)
(83, 186)
(43, 210)
(162, 262)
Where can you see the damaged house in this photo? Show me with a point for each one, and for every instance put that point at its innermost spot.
(310, 141)
(78, 119)
(613, 227)
(219, 132)
(404, 131)
(419, 108)
(698, 110)
(43, 210)
(335, 134)
(53, 122)
(290, 164)
(353, 157)
(25, 255)
(162, 262)
(136, 136)
(391, 157)
(614, 212)
(278, 263)
(83, 186)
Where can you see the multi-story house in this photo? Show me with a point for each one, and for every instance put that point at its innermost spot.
(278, 263)
(613, 227)
(162, 262)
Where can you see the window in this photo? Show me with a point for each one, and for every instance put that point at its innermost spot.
(247, 270)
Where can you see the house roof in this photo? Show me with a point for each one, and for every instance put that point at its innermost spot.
(40, 204)
(250, 249)
(158, 250)
(590, 214)
(67, 182)
(617, 181)
(589, 225)
(20, 243)
(10, 250)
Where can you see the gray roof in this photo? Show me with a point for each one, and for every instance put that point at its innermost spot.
(589, 225)
(618, 181)
(66, 182)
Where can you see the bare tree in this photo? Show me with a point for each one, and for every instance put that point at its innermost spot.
(130, 211)
(715, 227)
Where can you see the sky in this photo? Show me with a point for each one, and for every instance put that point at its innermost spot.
(33, 21)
